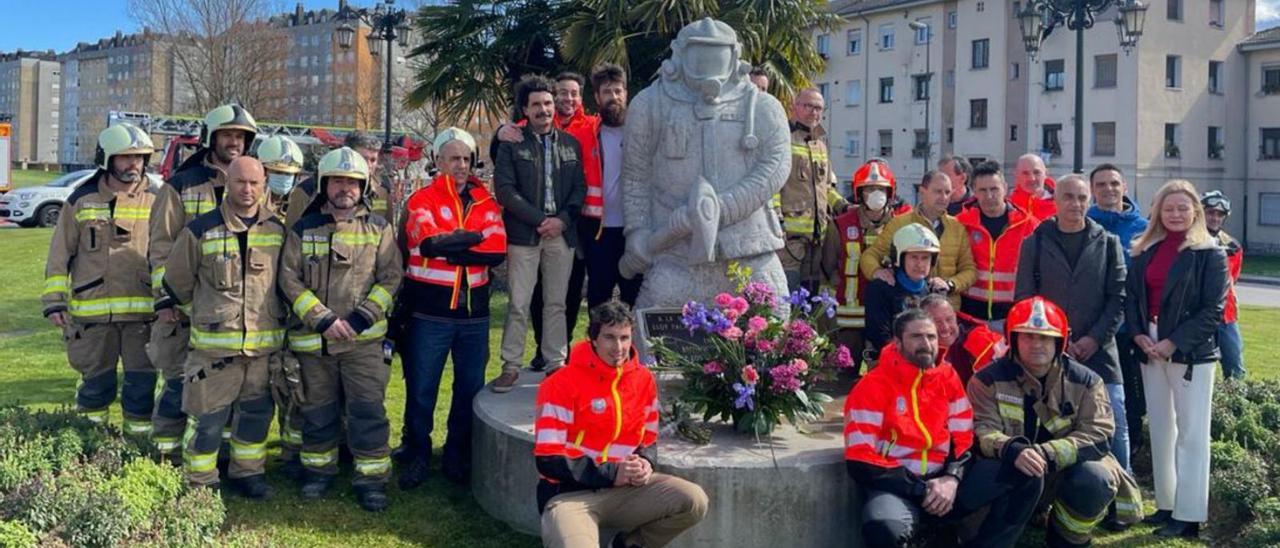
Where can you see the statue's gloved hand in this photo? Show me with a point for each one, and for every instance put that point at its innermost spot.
(636, 259)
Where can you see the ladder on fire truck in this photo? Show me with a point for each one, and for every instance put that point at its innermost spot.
(175, 126)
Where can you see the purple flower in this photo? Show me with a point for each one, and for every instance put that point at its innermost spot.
(800, 336)
(785, 379)
(825, 299)
(841, 358)
(800, 299)
(696, 317)
(745, 393)
(717, 322)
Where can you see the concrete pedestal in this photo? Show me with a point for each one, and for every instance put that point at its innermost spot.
(806, 499)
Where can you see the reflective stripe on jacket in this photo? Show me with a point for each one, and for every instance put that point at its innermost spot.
(996, 259)
(437, 209)
(809, 199)
(852, 232)
(194, 190)
(97, 266)
(955, 263)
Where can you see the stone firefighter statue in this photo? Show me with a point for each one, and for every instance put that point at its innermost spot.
(704, 152)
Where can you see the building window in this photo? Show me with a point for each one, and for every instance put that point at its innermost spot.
(1271, 80)
(1015, 71)
(921, 85)
(1055, 75)
(1172, 139)
(952, 19)
(853, 143)
(1173, 71)
(824, 45)
(1049, 139)
(1013, 132)
(853, 93)
(922, 34)
(1269, 210)
(981, 53)
(949, 78)
(886, 90)
(886, 143)
(1215, 77)
(886, 36)
(1104, 138)
(977, 113)
(822, 90)
(1216, 145)
(1270, 143)
(951, 135)
(1215, 13)
(921, 146)
(1175, 10)
(981, 7)
(854, 37)
(1104, 71)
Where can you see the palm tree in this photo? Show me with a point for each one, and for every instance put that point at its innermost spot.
(474, 51)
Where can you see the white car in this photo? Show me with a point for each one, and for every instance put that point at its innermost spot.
(40, 205)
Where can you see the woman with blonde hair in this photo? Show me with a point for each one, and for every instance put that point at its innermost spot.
(1177, 288)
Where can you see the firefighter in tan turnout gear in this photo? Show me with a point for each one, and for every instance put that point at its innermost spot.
(340, 270)
(282, 158)
(96, 286)
(197, 188)
(809, 200)
(224, 265)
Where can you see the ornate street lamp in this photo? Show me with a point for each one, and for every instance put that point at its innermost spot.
(386, 24)
(1039, 17)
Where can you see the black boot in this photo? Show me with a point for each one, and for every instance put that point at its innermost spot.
(372, 498)
(316, 486)
(292, 468)
(1178, 528)
(402, 454)
(1159, 518)
(415, 474)
(252, 487)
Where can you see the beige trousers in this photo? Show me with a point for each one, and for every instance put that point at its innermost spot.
(650, 516)
(554, 258)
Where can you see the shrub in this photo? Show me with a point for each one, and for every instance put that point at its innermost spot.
(14, 534)
(1238, 479)
(99, 523)
(144, 487)
(1262, 533)
(193, 520)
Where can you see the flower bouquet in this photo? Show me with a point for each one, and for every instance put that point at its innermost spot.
(756, 366)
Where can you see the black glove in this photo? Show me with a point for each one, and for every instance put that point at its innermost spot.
(453, 242)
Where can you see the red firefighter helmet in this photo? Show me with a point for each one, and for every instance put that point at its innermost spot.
(1040, 316)
(875, 172)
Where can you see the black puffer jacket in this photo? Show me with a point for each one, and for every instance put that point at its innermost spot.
(1192, 303)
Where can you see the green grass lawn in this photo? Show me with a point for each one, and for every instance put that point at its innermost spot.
(1262, 265)
(33, 371)
(31, 177)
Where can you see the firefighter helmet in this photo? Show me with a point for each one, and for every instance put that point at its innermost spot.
(914, 237)
(122, 138)
(875, 172)
(281, 154)
(227, 117)
(1040, 316)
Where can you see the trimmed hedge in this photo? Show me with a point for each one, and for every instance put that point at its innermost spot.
(67, 481)
(1244, 487)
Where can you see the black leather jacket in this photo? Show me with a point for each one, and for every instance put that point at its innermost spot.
(1192, 303)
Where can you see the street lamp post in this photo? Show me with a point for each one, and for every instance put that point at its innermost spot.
(928, 86)
(387, 24)
(1038, 18)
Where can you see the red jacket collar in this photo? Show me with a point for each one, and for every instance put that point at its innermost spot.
(898, 366)
(971, 216)
(584, 355)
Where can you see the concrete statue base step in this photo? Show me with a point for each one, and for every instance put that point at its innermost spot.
(806, 499)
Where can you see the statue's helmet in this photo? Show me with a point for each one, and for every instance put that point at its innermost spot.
(707, 49)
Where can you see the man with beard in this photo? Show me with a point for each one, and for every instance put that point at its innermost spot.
(809, 199)
(224, 267)
(379, 193)
(1046, 414)
(602, 240)
(96, 257)
(908, 433)
(539, 183)
(196, 189)
(572, 119)
(340, 269)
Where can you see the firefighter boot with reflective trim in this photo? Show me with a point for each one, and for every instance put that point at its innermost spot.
(372, 497)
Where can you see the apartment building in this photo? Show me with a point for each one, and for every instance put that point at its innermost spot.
(29, 89)
(1186, 102)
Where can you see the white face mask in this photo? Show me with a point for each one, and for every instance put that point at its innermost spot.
(280, 183)
(876, 199)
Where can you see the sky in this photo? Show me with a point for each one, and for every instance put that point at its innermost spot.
(74, 21)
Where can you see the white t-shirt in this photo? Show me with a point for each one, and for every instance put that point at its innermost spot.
(611, 174)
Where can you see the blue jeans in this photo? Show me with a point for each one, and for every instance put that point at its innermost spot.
(1119, 440)
(1232, 347)
(429, 343)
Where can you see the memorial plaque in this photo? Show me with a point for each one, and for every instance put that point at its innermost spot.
(666, 323)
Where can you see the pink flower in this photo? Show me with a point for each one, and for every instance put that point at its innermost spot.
(800, 337)
(750, 375)
(799, 365)
(765, 345)
(712, 368)
(732, 314)
(786, 377)
(841, 358)
(733, 333)
(757, 324)
(723, 300)
(739, 305)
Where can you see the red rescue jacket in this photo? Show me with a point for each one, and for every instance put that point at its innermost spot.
(996, 258)
(437, 209)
